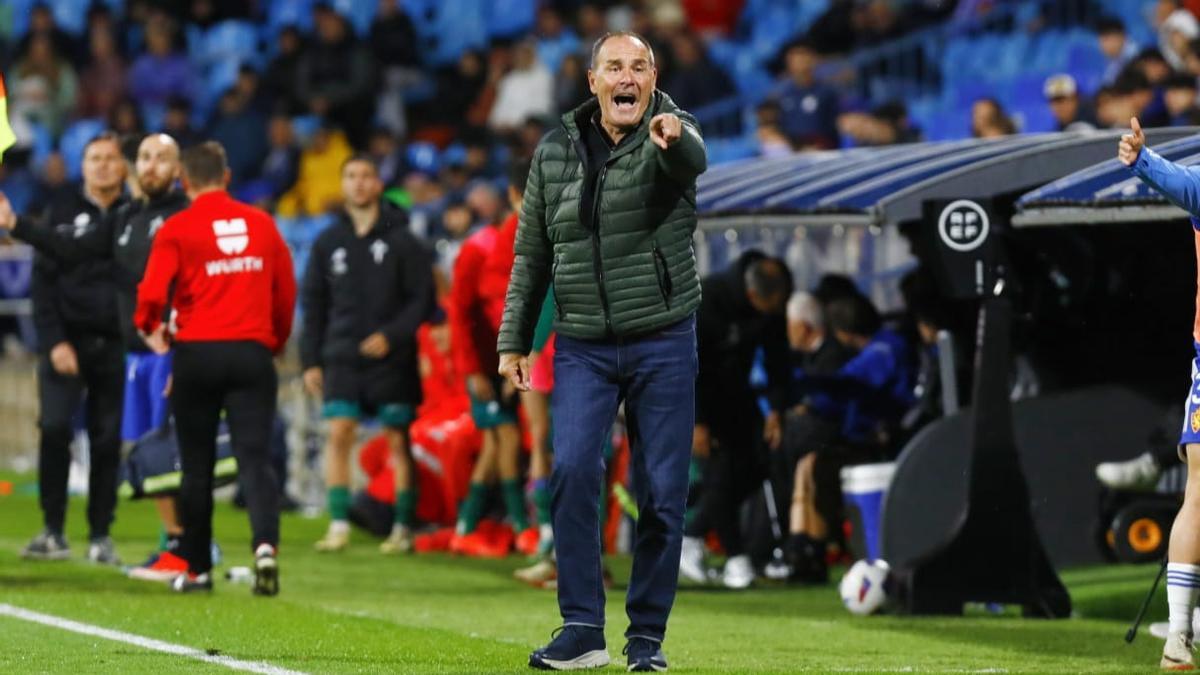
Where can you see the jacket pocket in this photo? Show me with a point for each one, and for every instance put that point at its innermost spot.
(558, 310)
(663, 272)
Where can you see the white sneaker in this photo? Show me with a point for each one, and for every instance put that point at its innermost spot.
(691, 560)
(336, 538)
(739, 572)
(1141, 472)
(398, 542)
(1177, 653)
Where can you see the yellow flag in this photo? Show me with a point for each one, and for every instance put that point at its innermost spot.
(6, 134)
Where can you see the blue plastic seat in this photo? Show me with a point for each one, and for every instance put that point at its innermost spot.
(71, 15)
(227, 41)
(74, 139)
(360, 13)
(508, 18)
(282, 13)
(423, 156)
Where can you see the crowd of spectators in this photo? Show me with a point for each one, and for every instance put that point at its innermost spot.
(291, 102)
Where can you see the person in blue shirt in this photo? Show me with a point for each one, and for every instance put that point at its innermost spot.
(865, 400)
(809, 108)
(1181, 186)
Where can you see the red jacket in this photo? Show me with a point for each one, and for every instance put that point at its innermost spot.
(477, 292)
(232, 274)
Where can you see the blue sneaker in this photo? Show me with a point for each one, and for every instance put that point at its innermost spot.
(572, 648)
(644, 656)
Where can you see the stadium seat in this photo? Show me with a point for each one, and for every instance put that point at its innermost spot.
(304, 126)
(360, 13)
(73, 141)
(507, 18)
(229, 41)
(282, 13)
(43, 144)
(1034, 118)
(220, 77)
(71, 15)
(455, 154)
(423, 157)
(460, 25)
(20, 10)
(721, 150)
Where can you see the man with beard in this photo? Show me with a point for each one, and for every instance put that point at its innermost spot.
(125, 238)
(75, 311)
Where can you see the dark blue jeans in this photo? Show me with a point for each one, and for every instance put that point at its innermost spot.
(655, 376)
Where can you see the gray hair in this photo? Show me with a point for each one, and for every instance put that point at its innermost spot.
(805, 308)
(616, 34)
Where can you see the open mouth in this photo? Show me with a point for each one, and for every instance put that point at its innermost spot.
(625, 101)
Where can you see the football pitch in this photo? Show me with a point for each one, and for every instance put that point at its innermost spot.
(363, 613)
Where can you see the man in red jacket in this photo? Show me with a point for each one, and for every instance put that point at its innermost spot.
(477, 290)
(234, 294)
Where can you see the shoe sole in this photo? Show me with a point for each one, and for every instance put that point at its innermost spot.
(192, 588)
(594, 659)
(152, 575)
(650, 668)
(57, 555)
(266, 577)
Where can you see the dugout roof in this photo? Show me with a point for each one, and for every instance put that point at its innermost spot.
(1106, 192)
(888, 185)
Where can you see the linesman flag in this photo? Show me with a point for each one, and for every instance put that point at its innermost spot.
(6, 134)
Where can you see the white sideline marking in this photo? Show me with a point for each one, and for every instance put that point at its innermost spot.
(144, 642)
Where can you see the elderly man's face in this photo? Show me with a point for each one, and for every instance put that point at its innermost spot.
(623, 78)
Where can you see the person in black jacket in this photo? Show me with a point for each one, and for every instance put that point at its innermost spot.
(125, 237)
(79, 338)
(368, 287)
(741, 313)
(336, 74)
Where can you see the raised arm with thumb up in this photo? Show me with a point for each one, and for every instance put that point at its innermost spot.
(1131, 144)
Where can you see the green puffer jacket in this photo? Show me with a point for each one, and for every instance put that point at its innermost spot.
(636, 273)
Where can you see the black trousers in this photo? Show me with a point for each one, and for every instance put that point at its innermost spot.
(102, 376)
(735, 469)
(239, 378)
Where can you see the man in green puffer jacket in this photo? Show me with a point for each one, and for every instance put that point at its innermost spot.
(609, 214)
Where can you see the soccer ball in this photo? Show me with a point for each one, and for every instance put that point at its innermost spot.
(862, 588)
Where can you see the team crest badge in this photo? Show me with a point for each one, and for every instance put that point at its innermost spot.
(1196, 421)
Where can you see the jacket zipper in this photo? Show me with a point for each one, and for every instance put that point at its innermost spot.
(553, 278)
(597, 265)
(664, 278)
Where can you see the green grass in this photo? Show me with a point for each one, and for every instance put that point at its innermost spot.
(360, 612)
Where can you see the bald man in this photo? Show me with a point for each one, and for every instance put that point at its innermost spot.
(125, 237)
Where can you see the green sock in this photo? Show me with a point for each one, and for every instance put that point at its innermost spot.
(514, 502)
(339, 502)
(406, 504)
(472, 506)
(541, 500)
(164, 540)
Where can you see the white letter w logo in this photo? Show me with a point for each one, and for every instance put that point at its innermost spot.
(232, 238)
